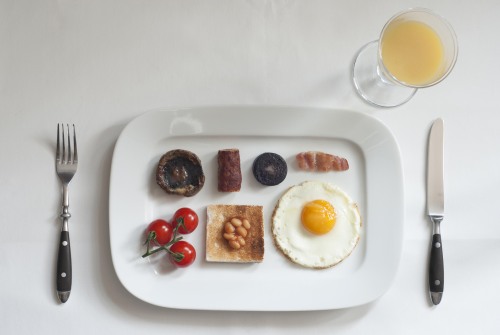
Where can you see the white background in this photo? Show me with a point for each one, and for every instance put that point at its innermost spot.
(99, 64)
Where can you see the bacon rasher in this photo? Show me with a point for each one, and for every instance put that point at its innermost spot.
(321, 161)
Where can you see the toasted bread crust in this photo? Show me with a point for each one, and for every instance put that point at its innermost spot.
(218, 249)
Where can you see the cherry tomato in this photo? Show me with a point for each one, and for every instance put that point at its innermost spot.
(182, 254)
(163, 231)
(188, 217)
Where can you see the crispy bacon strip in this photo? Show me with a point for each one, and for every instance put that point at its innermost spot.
(321, 161)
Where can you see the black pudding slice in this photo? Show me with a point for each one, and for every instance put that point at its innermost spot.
(269, 169)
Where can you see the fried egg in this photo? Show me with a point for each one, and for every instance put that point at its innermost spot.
(316, 224)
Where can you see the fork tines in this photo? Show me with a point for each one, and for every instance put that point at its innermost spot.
(64, 156)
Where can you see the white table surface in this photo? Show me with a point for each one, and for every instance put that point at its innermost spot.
(101, 63)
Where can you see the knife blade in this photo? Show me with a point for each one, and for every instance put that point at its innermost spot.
(435, 209)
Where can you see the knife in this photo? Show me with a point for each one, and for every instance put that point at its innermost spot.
(435, 209)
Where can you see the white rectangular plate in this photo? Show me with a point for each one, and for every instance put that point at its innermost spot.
(374, 181)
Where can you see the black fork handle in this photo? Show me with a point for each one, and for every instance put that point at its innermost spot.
(64, 267)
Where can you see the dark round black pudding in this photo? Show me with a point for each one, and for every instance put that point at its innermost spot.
(269, 169)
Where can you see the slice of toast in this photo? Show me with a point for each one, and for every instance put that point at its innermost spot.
(218, 248)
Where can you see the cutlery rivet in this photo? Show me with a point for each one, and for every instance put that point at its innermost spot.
(437, 282)
(63, 274)
(64, 243)
(437, 245)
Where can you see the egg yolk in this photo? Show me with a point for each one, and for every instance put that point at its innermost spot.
(318, 217)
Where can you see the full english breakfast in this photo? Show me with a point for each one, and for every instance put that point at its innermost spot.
(314, 224)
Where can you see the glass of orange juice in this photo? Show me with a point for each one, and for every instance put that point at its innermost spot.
(417, 48)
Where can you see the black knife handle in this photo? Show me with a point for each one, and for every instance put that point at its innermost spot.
(64, 267)
(436, 266)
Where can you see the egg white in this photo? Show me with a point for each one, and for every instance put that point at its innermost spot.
(308, 249)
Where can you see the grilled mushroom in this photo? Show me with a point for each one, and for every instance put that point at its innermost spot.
(180, 172)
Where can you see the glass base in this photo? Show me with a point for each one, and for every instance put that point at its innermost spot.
(371, 86)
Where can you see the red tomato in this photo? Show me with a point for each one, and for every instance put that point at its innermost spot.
(182, 254)
(162, 230)
(186, 216)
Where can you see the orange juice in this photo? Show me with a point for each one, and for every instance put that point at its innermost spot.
(412, 52)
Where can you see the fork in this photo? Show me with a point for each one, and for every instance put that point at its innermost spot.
(66, 165)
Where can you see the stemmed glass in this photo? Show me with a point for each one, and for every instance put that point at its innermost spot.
(417, 48)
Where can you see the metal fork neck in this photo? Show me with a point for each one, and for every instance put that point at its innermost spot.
(65, 215)
(65, 202)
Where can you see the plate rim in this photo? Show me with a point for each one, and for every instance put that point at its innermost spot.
(382, 287)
